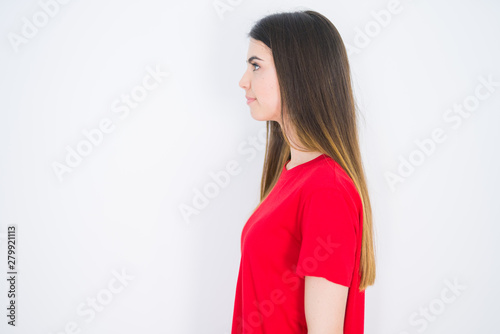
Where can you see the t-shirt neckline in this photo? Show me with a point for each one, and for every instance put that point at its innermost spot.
(302, 165)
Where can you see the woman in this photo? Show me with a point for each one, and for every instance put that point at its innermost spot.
(307, 252)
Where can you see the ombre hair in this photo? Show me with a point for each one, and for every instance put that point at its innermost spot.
(317, 102)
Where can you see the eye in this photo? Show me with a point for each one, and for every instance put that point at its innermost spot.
(253, 64)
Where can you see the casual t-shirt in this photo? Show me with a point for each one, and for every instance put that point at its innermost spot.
(309, 225)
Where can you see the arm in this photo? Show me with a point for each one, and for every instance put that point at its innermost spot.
(325, 304)
(327, 258)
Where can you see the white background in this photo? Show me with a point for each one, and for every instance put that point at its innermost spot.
(120, 207)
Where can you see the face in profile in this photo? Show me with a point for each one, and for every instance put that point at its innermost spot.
(260, 83)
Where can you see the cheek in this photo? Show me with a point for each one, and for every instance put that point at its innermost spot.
(267, 91)
(274, 97)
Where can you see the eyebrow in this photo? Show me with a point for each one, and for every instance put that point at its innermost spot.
(252, 58)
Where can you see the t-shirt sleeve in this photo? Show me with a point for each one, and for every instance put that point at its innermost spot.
(328, 227)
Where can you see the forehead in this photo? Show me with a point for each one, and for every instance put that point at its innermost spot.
(257, 48)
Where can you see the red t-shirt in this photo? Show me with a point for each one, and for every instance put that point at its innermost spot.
(310, 224)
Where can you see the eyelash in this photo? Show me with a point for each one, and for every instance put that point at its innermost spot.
(255, 65)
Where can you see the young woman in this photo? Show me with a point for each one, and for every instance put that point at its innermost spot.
(307, 252)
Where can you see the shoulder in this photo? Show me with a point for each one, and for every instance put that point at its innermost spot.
(328, 178)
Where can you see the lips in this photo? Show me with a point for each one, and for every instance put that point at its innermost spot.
(250, 99)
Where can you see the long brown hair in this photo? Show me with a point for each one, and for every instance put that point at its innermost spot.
(318, 103)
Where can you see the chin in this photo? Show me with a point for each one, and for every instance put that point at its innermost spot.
(258, 115)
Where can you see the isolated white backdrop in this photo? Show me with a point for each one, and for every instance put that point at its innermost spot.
(105, 248)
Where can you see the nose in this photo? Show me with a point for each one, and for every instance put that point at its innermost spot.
(244, 82)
